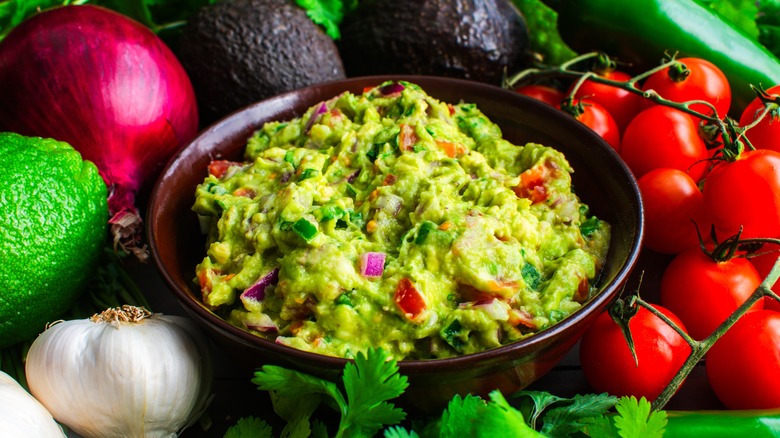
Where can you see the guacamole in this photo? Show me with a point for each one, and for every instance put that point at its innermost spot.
(390, 219)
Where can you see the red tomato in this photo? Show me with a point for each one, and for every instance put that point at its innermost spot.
(607, 362)
(743, 366)
(765, 135)
(705, 82)
(600, 121)
(674, 208)
(409, 299)
(548, 95)
(746, 193)
(703, 292)
(623, 105)
(764, 264)
(661, 136)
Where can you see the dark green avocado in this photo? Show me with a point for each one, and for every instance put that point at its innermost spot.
(237, 52)
(471, 39)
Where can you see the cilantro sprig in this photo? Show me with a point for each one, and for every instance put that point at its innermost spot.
(373, 379)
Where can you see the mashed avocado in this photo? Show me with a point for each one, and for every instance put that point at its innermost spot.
(393, 220)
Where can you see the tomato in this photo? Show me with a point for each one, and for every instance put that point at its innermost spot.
(705, 82)
(764, 264)
(743, 366)
(765, 135)
(607, 362)
(746, 193)
(674, 208)
(703, 292)
(549, 95)
(622, 104)
(595, 117)
(409, 299)
(661, 136)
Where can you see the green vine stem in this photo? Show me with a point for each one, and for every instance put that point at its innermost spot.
(732, 135)
(700, 348)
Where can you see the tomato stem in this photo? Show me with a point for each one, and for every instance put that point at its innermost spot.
(700, 348)
(732, 135)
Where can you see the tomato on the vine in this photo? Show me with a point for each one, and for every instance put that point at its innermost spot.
(703, 292)
(743, 366)
(622, 104)
(607, 362)
(770, 253)
(746, 193)
(549, 95)
(674, 209)
(661, 136)
(766, 134)
(704, 81)
(595, 117)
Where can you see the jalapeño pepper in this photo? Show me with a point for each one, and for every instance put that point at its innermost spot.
(723, 424)
(641, 31)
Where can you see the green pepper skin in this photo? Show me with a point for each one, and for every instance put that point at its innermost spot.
(641, 31)
(723, 424)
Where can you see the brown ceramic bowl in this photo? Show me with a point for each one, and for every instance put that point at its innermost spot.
(600, 178)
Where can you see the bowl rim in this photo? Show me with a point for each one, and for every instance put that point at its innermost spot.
(412, 366)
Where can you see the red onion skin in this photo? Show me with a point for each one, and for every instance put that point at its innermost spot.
(105, 84)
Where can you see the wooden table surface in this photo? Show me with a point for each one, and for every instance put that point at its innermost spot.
(235, 396)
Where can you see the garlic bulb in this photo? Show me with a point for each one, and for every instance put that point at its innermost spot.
(21, 415)
(122, 373)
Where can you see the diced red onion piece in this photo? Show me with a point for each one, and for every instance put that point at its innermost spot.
(497, 309)
(256, 291)
(390, 203)
(262, 323)
(323, 108)
(372, 264)
(395, 87)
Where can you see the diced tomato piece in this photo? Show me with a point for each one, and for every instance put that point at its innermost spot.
(245, 192)
(409, 299)
(583, 291)
(451, 108)
(219, 167)
(451, 149)
(532, 185)
(521, 317)
(407, 137)
(390, 179)
(204, 280)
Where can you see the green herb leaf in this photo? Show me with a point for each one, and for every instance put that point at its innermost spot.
(249, 427)
(637, 419)
(369, 383)
(296, 411)
(567, 419)
(290, 383)
(400, 432)
(326, 13)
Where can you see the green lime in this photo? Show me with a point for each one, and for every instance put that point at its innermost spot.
(53, 220)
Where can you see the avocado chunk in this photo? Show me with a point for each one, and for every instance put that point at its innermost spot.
(237, 52)
(470, 39)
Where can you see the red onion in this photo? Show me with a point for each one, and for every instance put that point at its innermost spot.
(372, 264)
(322, 109)
(392, 88)
(107, 85)
(256, 292)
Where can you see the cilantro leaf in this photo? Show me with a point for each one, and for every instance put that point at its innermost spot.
(460, 416)
(636, 419)
(326, 13)
(400, 432)
(250, 427)
(540, 400)
(296, 411)
(290, 383)
(567, 419)
(369, 383)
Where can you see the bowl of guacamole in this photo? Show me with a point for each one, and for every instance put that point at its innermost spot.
(470, 232)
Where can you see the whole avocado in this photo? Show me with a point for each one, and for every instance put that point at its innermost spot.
(470, 39)
(237, 52)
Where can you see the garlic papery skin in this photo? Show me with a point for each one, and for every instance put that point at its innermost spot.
(21, 415)
(123, 373)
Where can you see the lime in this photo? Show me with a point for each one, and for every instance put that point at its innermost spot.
(53, 220)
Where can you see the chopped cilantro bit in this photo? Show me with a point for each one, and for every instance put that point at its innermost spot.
(531, 276)
(425, 229)
(308, 173)
(589, 226)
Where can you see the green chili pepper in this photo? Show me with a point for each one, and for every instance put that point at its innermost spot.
(641, 31)
(723, 424)
(545, 40)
